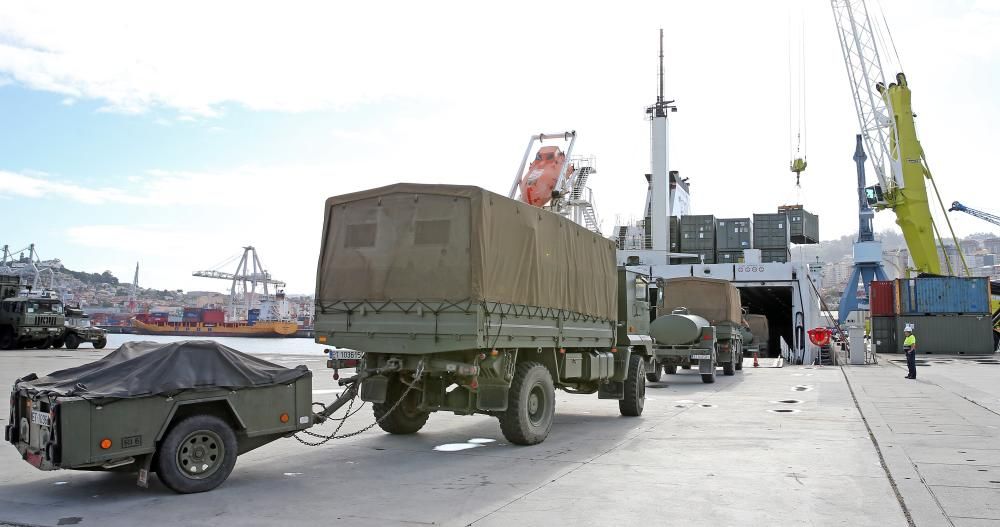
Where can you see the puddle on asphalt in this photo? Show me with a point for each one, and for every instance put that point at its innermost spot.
(708, 406)
(802, 388)
(787, 401)
(61, 483)
(292, 474)
(784, 410)
(481, 440)
(475, 442)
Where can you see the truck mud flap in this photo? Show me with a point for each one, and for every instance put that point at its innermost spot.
(492, 397)
(706, 366)
(611, 390)
(374, 388)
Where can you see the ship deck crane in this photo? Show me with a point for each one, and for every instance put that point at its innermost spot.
(985, 216)
(248, 277)
(885, 118)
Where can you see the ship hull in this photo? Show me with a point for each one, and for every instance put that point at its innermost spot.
(188, 329)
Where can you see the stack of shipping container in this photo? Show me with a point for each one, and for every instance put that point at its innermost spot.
(732, 236)
(950, 315)
(697, 235)
(771, 236)
(723, 240)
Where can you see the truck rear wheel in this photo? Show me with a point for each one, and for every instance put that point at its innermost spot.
(103, 341)
(729, 368)
(708, 378)
(635, 388)
(657, 374)
(197, 455)
(58, 343)
(72, 341)
(406, 418)
(739, 361)
(670, 369)
(531, 405)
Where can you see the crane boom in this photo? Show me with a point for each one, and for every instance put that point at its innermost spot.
(985, 216)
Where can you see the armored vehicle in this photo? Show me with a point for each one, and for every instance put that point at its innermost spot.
(183, 410)
(79, 330)
(699, 324)
(474, 303)
(30, 322)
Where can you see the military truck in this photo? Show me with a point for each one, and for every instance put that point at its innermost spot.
(184, 410)
(474, 303)
(79, 330)
(761, 334)
(699, 323)
(10, 285)
(30, 322)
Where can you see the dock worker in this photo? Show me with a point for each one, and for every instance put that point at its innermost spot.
(910, 348)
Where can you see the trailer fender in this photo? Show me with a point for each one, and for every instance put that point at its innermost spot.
(214, 405)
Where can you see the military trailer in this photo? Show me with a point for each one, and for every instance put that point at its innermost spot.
(183, 410)
(474, 303)
(761, 335)
(30, 322)
(79, 330)
(699, 323)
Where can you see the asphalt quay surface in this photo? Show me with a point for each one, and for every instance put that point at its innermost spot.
(769, 446)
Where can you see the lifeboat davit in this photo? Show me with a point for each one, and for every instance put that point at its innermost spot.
(543, 174)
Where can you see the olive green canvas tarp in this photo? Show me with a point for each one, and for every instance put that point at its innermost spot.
(715, 300)
(454, 243)
(759, 328)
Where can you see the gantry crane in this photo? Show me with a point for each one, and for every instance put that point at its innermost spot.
(885, 117)
(250, 274)
(985, 216)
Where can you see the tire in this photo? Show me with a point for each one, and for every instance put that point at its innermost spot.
(531, 405)
(686, 367)
(657, 374)
(406, 418)
(635, 388)
(99, 345)
(72, 341)
(708, 378)
(670, 369)
(739, 363)
(7, 340)
(729, 368)
(202, 443)
(44, 344)
(58, 343)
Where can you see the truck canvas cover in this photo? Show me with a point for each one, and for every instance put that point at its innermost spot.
(759, 328)
(139, 369)
(715, 300)
(452, 243)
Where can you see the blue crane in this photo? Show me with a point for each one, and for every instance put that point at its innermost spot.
(956, 206)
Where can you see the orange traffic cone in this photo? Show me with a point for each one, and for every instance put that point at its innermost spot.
(755, 363)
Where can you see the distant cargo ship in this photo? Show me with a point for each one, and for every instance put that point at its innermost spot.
(211, 323)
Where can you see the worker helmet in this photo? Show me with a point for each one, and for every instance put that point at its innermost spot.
(908, 328)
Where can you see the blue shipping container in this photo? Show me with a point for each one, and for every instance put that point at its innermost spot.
(944, 295)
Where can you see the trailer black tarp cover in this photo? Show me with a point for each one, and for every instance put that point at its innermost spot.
(455, 243)
(138, 369)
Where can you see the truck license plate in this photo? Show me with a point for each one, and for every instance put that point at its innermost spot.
(39, 418)
(700, 357)
(346, 355)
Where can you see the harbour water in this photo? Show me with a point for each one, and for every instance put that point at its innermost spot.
(256, 346)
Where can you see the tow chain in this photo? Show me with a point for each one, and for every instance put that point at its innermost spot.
(324, 438)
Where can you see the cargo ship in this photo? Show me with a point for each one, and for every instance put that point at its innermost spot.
(211, 323)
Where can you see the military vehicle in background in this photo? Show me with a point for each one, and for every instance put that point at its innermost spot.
(469, 302)
(761, 334)
(30, 322)
(10, 285)
(699, 323)
(79, 330)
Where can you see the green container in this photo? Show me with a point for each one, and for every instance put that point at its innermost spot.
(770, 231)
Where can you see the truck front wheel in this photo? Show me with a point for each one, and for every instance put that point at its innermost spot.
(531, 405)
(101, 342)
(406, 418)
(197, 455)
(72, 341)
(635, 388)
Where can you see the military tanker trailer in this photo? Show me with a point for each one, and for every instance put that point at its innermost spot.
(474, 303)
(699, 323)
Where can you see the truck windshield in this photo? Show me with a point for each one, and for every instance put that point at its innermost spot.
(43, 307)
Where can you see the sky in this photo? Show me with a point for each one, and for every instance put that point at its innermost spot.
(174, 134)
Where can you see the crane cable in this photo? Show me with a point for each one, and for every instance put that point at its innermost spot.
(797, 133)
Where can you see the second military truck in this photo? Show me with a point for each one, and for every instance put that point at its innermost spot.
(470, 302)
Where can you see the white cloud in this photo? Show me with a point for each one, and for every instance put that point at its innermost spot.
(35, 185)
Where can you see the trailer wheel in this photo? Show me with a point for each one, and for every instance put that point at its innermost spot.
(72, 341)
(708, 378)
(670, 369)
(406, 418)
(197, 455)
(531, 405)
(635, 388)
(103, 341)
(657, 374)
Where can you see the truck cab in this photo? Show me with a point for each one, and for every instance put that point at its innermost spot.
(29, 322)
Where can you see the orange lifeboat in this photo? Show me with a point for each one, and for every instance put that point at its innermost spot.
(543, 174)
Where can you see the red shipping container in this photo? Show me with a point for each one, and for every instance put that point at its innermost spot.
(213, 316)
(883, 298)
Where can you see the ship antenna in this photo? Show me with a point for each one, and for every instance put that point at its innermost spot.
(659, 94)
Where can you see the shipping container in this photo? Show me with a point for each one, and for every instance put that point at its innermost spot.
(774, 255)
(675, 234)
(948, 334)
(803, 226)
(252, 316)
(733, 234)
(944, 295)
(704, 256)
(213, 316)
(882, 298)
(770, 231)
(729, 257)
(884, 335)
(697, 233)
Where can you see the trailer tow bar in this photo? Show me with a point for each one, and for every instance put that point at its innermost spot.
(348, 396)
